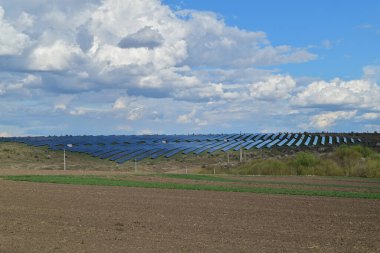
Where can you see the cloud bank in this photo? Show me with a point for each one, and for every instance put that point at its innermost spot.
(122, 66)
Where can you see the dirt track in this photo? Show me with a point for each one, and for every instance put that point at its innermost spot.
(66, 218)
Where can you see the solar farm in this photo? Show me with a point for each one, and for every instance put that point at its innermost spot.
(101, 203)
(138, 147)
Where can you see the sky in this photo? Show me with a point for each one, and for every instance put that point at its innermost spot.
(97, 67)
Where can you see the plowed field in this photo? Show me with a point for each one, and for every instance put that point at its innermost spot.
(45, 217)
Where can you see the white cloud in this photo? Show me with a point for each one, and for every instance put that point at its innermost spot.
(372, 73)
(58, 56)
(274, 87)
(355, 93)
(60, 107)
(328, 119)
(19, 84)
(12, 42)
(187, 118)
(120, 103)
(370, 116)
(79, 111)
(135, 113)
(5, 134)
(137, 63)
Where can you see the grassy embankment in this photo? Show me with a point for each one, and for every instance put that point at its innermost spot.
(352, 161)
(357, 161)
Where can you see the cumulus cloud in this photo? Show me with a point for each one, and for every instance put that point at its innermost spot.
(274, 87)
(339, 93)
(145, 37)
(212, 43)
(16, 84)
(12, 41)
(187, 118)
(58, 56)
(131, 45)
(137, 63)
(326, 120)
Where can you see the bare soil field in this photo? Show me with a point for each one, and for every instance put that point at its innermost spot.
(44, 217)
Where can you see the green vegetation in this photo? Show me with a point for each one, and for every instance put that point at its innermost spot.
(97, 180)
(352, 161)
(211, 178)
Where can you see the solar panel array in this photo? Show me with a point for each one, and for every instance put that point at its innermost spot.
(123, 148)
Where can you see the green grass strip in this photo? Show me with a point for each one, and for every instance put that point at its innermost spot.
(224, 179)
(96, 180)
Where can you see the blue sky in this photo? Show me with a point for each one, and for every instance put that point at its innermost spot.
(172, 66)
(345, 35)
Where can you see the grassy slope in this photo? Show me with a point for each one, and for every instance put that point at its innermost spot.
(96, 180)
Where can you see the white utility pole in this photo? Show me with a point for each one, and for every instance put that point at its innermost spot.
(64, 159)
(64, 155)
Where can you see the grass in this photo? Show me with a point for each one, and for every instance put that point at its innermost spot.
(224, 179)
(96, 180)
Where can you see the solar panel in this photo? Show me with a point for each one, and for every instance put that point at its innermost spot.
(219, 146)
(263, 143)
(242, 145)
(275, 136)
(234, 144)
(130, 156)
(273, 143)
(160, 153)
(315, 140)
(123, 148)
(146, 154)
(267, 136)
(253, 144)
(125, 153)
(259, 136)
(173, 152)
(291, 142)
(323, 140)
(307, 141)
(282, 142)
(299, 142)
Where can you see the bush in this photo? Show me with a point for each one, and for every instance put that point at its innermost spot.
(304, 163)
(356, 161)
(328, 167)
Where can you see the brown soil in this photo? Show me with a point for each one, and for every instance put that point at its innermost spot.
(36, 217)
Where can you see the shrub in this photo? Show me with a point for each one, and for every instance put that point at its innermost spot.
(304, 163)
(328, 167)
